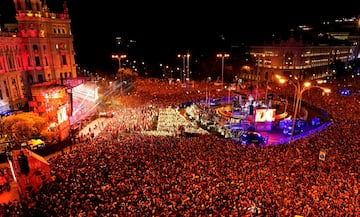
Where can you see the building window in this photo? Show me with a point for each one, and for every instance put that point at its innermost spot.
(40, 78)
(63, 57)
(15, 88)
(31, 79)
(22, 87)
(289, 59)
(27, 5)
(19, 62)
(11, 64)
(37, 61)
(6, 90)
(35, 47)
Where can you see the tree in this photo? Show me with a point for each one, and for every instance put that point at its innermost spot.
(129, 74)
(23, 126)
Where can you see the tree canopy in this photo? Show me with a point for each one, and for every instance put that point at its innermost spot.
(23, 126)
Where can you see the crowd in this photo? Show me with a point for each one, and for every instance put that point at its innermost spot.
(146, 175)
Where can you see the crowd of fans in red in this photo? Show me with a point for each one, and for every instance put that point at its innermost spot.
(142, 175)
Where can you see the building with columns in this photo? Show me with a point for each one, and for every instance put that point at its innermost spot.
(36, 49)
(308, 51)
(296, 58)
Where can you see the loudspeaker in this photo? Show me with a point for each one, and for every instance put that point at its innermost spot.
(24, 164)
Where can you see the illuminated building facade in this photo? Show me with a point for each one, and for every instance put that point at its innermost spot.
(297, 58)
(53, 102)
(337, 40)
(37, 49)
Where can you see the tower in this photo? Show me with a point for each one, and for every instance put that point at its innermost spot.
(37, 50)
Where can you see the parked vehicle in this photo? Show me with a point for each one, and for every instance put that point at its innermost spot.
(34, 144)
(253, 137)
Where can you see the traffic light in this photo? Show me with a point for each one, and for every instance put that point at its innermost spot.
(24, 164)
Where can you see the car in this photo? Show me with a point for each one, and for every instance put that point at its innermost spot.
(253, 137)
(34, 144)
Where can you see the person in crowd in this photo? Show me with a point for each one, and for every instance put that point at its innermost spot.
(206, 175)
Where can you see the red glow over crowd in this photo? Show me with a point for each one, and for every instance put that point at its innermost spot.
(141, 175)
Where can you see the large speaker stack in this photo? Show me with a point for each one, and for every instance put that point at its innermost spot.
(23, 163)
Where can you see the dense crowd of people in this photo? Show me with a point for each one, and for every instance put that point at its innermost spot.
(146, 175)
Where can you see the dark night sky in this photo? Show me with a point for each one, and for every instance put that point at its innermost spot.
(164, 29)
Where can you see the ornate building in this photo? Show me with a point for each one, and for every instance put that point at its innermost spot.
(295, 57)
(37, 49)
(310, 53)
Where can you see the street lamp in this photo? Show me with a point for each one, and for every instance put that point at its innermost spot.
(182, 76)
(186, 65)
(207, 93)
(222, 56)
(300, 88)
(258, 73)
(119, 57)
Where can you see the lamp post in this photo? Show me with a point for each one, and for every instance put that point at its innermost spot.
(222, 56)
(188, 65)
(207, 93)
(300, 88)
(257, 73)
(182, 76)
(119, 57)
(185, 67)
